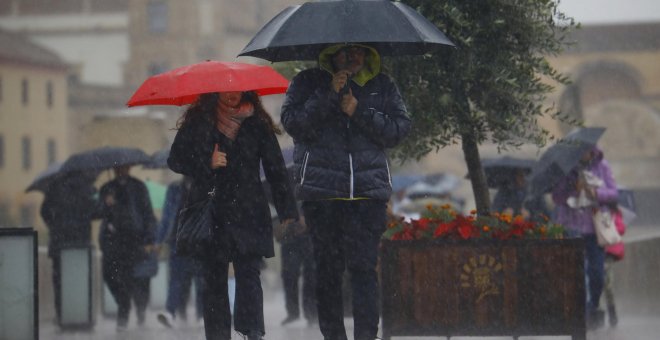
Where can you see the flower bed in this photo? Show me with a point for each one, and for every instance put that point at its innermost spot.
(445, 223)
(446, 274)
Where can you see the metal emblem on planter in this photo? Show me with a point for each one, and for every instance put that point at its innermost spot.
(478, 273)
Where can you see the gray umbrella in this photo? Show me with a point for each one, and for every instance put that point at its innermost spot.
(103, 158)
(301, 32)
(45, 178)
(158, 159)
(561, 158)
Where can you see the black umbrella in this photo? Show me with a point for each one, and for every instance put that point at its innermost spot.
(45, 178)
(104, 158)
(301, 32)
(500, 171)
(563, 157)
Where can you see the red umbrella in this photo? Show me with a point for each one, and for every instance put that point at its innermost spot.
(183, 85)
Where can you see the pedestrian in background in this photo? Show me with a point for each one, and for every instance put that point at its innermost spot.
(183, 269)
(342, 116)
(575, 199)
(298, 262)
(68, 208)
(221, 141)
(126, 239)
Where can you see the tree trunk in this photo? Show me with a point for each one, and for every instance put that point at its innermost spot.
(470, 146)
(476, 173)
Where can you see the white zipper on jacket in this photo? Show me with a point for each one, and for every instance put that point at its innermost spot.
(389, 175)
(350, 163)
(304, 168)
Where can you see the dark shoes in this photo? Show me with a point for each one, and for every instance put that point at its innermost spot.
(165, 320)
(254, 335)
(611, 314)
(595, 319)
(289, 319)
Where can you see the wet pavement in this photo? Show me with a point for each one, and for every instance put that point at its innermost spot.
(629, 328)
(634, 324)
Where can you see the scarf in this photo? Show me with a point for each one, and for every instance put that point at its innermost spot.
(230, 118)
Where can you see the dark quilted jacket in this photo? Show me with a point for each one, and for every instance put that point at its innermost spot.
(337, 156)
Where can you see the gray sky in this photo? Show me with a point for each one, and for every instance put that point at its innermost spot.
(611, 11)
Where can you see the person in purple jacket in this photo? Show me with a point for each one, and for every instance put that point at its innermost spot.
(587, 187)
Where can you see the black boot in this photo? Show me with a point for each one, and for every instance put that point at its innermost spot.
(254, 335)
(595, 319)
(611, 313)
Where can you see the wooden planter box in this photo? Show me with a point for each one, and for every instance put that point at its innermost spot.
(483, 288)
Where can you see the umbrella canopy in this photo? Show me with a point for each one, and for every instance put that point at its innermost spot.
(183, 85)
(561, 158)
(158, 160)
(45, 178)
(104, 158)
(301, 32)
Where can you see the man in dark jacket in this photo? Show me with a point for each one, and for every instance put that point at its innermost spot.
(342, 116)
(127, 236)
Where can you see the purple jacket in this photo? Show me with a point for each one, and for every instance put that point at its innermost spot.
(581, 220)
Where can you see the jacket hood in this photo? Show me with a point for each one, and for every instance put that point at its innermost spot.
(371, 62)
(598, 154)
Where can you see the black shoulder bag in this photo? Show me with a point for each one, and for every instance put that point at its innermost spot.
(194, 225)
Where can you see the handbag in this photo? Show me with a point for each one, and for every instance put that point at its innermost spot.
(193, 230)
(605, 228)
(147, 267)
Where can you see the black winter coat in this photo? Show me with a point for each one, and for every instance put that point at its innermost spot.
(68, 209)
(337, 156)
(132, 218)
(241, 207)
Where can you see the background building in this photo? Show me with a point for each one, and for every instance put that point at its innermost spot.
(33, 122)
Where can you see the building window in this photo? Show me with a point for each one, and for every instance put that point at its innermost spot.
(157, 16)
(28, 212)
(26, 152)
(51, 151)
(2, 152)
(24, 91)
(0, 89)
(49, 94)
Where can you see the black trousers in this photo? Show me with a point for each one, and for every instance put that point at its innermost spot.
(346, 234)
(57, 284)
(118, 275)
(249, 302)
(297, 259)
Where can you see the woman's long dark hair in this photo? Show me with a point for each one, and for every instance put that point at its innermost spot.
(206, 105)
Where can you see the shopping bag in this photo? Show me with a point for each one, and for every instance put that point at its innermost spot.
(605, 228)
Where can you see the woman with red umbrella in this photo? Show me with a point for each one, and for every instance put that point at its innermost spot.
(221, 141)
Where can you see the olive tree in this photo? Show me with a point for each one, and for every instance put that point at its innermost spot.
(491, 87)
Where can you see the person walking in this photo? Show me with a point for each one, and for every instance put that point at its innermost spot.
(298, 261)
(126, 238)
(183, 269)
(587, 187)
(613, 254)
(68, 209)
(342, 116)
(221, 141)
